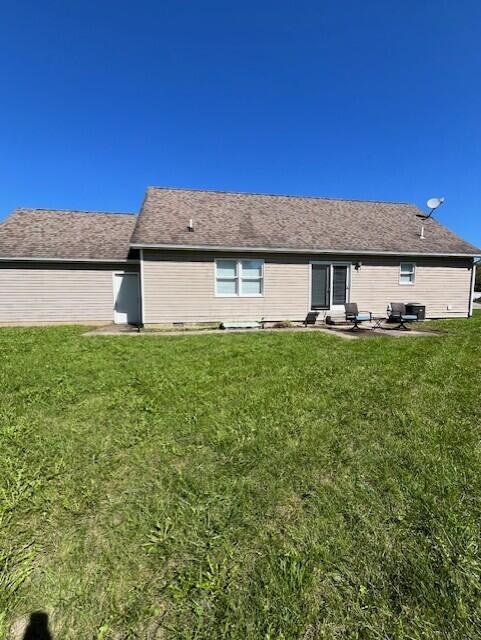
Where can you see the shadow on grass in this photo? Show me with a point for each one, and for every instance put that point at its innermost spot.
(37, 628)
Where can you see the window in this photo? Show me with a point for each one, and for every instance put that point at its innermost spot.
(239, 277)
(227, 280)
(407, 272)
(251, 277)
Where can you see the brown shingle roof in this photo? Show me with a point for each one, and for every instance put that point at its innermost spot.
(67, 235)
(244, 220)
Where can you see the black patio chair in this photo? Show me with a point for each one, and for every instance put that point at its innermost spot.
(311, 318)
(355, 316)
(397, 313)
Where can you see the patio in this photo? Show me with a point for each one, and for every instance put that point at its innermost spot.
(372, 331)
(342, 331)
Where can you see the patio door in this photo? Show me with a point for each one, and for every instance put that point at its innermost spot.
(320, 285)
(340, 282)
(329, 285)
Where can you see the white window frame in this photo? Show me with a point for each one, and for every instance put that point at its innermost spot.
(411, 273)
(238, 278)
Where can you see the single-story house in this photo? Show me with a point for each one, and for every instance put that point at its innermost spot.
(193, 256)
(64, 266)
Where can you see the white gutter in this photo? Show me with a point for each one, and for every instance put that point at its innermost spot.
(109, 261)
(355, 252)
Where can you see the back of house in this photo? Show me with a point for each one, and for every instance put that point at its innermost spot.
(206, 257)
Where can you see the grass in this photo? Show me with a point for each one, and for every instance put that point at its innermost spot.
(268, 486)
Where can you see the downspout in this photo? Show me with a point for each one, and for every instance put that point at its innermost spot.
(142, 298)
(471, 288)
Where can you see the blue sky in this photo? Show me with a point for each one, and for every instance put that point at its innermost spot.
(374, 99)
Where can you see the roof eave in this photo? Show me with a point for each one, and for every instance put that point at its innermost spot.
(190, 247)
(42, 259)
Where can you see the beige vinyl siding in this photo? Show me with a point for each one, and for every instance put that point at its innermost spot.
(45, 292)
(179, 286)
(440, 283)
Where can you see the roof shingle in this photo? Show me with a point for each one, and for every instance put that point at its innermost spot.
(243, 220)
(66, 235)
(227, 220)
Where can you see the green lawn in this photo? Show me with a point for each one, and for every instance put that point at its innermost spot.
(272, 486)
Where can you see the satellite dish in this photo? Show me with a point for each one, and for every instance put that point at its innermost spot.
(434, 203)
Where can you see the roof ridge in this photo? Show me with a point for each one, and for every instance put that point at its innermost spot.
(112, 213)
(279, 195)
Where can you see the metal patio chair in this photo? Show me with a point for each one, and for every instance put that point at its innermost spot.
(397, 313)
(355, 316)
(311, 318)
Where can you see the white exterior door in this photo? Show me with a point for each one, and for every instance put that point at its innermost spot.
(126, 298)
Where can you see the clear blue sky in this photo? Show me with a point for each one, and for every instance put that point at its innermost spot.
(374, 99)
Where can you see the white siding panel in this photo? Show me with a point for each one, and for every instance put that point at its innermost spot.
(56, 293)
(179, 286)
(441, 284)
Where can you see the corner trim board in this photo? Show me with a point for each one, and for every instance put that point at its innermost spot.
(142, 296)
(471, 289)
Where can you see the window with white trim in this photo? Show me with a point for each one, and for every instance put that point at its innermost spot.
(239, 277)
(407, 273)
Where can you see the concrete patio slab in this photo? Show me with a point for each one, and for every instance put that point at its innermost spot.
(376, 333)
(341, 332)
